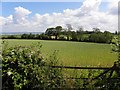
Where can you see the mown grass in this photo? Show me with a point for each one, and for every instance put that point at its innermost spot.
(74, 53)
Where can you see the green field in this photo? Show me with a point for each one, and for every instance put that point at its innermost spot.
(74, 53)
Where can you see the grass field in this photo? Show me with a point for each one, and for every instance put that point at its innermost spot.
(74, 53)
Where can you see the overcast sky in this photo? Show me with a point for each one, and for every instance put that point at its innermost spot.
(37, 16)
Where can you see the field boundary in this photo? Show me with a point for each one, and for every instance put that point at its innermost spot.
(74, 67)
(112, 69)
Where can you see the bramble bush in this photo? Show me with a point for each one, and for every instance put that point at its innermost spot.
(25, 68)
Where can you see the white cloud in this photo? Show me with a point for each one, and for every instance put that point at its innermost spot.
(113, 7)
(7, 20)
(2, 20)
(20, 15)
(90, 5)
(88, 16)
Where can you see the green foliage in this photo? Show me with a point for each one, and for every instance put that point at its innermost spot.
(83, 36)
(25, 68)
(115, 44)
(100, 37)
(116, 48)
(10, 36)
(54, 32)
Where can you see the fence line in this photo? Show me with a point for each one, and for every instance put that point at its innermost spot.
(71, 67)
(114, 68)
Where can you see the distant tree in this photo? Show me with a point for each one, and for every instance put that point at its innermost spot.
(96, 29)
(31, 36)
(108, 36)
(54, 31)
(96, 37)
(37, 36)
(69, 28)
(24, 36)
(44, 36)
(73, 36)
(58, 30)
(12, 37)
(80, 33)
(28, 36)
(50, 32)
(80, 29)
(100, 37)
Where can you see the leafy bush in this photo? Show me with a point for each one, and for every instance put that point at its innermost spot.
(25, 68)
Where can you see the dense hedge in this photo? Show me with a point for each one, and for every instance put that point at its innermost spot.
(23, 68)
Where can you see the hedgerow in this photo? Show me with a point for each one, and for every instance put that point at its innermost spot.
(25, 68)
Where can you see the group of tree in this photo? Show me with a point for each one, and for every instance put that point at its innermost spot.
(59, 33)
(53, 32)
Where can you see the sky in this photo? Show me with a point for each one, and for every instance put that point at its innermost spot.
(38, 16)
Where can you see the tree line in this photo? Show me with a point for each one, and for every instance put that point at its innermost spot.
(59, 33)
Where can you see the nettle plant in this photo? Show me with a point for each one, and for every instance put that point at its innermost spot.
(23, 67)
